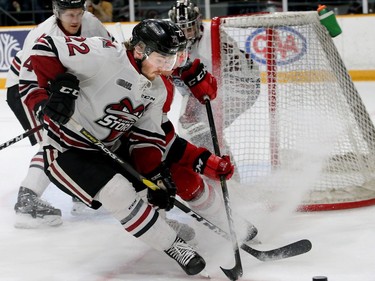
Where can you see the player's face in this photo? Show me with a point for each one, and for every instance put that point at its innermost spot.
(181, 59)
(156, 63)
(151, 68)
(190, 29)
(71, 20)
(150, 71)
(162, 62)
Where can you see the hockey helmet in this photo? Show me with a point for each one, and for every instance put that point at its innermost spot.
(180, 36)
(184, 45)
(58, 5)
(188, 17)
(156, 36)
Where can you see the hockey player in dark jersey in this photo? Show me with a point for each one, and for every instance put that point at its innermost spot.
(69, 18)
(128, 99)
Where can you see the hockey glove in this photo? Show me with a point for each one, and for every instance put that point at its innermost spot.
(163, 197)
(64, 91)
(39, 110)
(214, 166)
(200, 82)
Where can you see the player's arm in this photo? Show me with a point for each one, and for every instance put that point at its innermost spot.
(46, 66)
(200, 159)
(200, 82)
(58, 89)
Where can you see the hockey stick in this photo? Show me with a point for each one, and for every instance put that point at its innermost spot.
(236, 272)
(108, 152)
(290, 250)
(20, 137)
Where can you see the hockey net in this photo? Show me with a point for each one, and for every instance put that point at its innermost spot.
(306, 124)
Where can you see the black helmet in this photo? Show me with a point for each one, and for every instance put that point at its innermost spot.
(68, 4)
(188, 17)
(58, 5)
(156, 36)
(180, 36)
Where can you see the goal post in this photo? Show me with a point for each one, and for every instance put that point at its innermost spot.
(307, 117)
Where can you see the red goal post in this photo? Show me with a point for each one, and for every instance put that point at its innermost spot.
(307, 126)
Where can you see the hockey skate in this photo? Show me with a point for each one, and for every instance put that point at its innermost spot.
(33, 212)
(185, 255)
(184, 231)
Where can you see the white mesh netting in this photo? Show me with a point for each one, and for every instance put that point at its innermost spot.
(305, 117)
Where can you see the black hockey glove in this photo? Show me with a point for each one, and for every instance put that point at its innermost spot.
(64, 91)
(163, 197)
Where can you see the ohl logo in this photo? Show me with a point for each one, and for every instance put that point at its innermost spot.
(289, 45)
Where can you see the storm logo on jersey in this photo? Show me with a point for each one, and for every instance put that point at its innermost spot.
(120, 117)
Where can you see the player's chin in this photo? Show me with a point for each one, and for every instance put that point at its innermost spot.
(73, 29)
(155, 74)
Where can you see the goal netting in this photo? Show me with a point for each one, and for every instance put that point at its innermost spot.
(303, 123)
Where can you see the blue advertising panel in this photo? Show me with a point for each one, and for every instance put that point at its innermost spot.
(10, 43)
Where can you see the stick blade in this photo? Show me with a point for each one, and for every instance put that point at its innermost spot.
(233, 274)
(294, 249)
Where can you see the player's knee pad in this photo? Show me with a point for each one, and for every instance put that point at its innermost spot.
(189, 184)
(136, 216)
(208, 202)
(119, 198)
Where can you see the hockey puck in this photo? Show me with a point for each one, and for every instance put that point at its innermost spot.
(320, 278)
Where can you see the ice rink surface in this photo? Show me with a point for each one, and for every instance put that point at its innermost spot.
(96, 248)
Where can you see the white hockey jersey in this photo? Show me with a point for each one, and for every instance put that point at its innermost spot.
(90, 27)
(114, 96)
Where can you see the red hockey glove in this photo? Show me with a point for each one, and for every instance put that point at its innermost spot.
(200, 82)
(214, 166)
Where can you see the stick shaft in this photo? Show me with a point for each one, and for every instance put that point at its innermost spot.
(20, 137)
(224, 189)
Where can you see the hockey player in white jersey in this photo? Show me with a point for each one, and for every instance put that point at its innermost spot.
(69, 19)
(128, 99)
(193, 123)
(201, 196)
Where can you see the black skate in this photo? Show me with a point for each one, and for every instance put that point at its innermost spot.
(33, 212)
(189, 260)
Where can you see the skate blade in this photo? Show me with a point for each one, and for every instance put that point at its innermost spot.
(26, 221)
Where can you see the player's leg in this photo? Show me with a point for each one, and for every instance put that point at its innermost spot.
(205, 200)
(92, 177)
(31, 210)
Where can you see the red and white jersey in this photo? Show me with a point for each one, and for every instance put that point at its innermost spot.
(113, 98)
(14, 71)
(90, 27)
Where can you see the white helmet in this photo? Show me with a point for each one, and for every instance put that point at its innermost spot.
(188, 17)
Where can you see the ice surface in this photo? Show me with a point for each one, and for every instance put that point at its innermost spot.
(96, 248)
